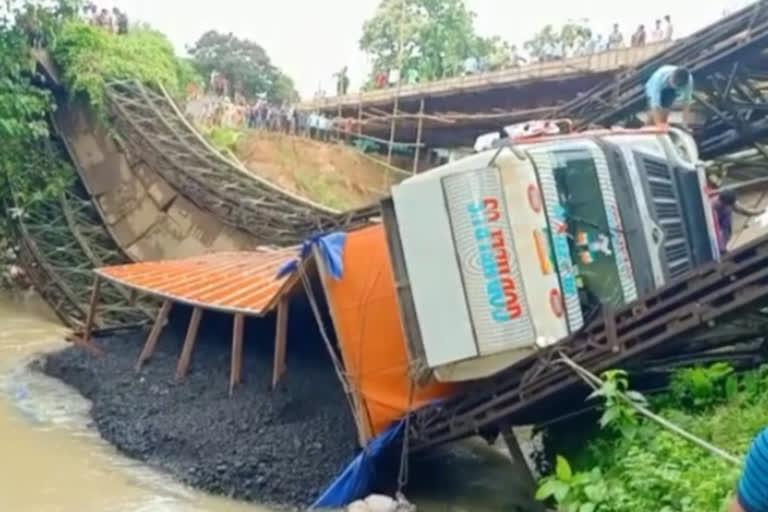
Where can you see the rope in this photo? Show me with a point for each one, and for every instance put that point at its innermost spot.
(326, 339)
(402, 477)
(595, 382)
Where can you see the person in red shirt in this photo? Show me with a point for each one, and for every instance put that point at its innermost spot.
(381, 79)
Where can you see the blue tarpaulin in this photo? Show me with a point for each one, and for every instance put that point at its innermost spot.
(356, 480)
(331, 249)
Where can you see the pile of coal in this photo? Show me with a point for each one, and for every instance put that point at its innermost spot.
(282, 446)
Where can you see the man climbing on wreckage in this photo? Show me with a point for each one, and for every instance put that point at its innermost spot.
(668, 85)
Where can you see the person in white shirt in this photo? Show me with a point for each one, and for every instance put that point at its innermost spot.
(658, 33)
(668, 29)
(616, 39)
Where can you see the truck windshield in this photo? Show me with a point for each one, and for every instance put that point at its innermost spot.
(587, 228)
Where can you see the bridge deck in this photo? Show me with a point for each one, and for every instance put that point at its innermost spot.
(463, 87)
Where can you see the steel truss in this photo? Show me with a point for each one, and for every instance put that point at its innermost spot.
(60, 242)
(730, 69)
(151, 125)
(716, 305)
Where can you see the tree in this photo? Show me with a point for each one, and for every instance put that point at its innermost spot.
(434, 37)
(241, 61)
(572, 34)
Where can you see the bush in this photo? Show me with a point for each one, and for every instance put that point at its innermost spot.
(91, 57)
(657, 470)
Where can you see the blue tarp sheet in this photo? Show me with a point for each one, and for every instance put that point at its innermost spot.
(331, 248)
(356, 480)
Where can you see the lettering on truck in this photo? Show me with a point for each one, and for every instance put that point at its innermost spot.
(501, 288)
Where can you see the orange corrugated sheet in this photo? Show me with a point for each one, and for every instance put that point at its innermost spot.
(367, 319)
(236, 282)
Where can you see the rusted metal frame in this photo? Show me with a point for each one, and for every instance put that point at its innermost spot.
(642, 322)
(204, 185)
(681, 53)
(95, 260)
(52, 276)
(177, 125)
(709, 313)
(69, 312)
(750, 277)
(686, 53)
(206, 200)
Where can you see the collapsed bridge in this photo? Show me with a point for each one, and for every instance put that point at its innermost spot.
(159, 191)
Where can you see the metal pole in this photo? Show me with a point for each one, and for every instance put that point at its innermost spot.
(360, 115)
(418, 137)
(396, 103)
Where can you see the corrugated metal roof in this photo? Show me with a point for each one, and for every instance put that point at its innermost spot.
(232, 282)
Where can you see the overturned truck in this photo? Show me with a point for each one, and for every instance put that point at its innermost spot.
(512, 249)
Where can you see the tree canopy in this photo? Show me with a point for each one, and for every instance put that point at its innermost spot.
(436, 35)
(242, 61)
(572, 34)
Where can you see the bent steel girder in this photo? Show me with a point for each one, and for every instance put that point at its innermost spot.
(151, 125)
(60, 242)
(728, 63)
(680, 317)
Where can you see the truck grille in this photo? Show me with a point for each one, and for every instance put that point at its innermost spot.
(666, 205)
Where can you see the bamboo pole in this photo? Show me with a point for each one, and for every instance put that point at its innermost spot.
(236, 366)
(154, 334)
(396, 103)
(91, 318)
(419, 128)
(189, 344)
(360, 115)
(281, 340)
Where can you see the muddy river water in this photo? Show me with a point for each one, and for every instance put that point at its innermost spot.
(52, 461)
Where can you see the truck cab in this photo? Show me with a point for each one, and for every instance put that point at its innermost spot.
(515, 247)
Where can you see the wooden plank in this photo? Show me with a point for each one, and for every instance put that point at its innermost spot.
(92, 309)
(154, 334)
(189, 344)
(236, 367)
(281, 340)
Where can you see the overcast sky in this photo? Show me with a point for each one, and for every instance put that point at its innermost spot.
(311, 39)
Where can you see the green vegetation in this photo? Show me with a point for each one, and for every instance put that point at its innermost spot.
(28, 171)
(90, 57)
(244, 63)
(634, 464)
(570, 35)
(222, 138)
(436, 35)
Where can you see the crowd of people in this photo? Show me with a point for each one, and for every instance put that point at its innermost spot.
(663, 31)
(114, 20)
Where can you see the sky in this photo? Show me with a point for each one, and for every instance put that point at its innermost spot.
(310, 39)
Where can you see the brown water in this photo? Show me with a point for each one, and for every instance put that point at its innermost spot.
(52, 461)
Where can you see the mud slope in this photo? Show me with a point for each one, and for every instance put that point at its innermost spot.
(279, 447)
(333, 175)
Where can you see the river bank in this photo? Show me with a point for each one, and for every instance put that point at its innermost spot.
(280, 447)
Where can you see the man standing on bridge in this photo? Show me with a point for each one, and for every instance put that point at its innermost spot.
(667, 85)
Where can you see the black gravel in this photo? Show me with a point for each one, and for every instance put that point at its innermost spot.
(279, 447)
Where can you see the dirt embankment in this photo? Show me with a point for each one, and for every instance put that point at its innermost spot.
(334, 175)
(279, 447)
